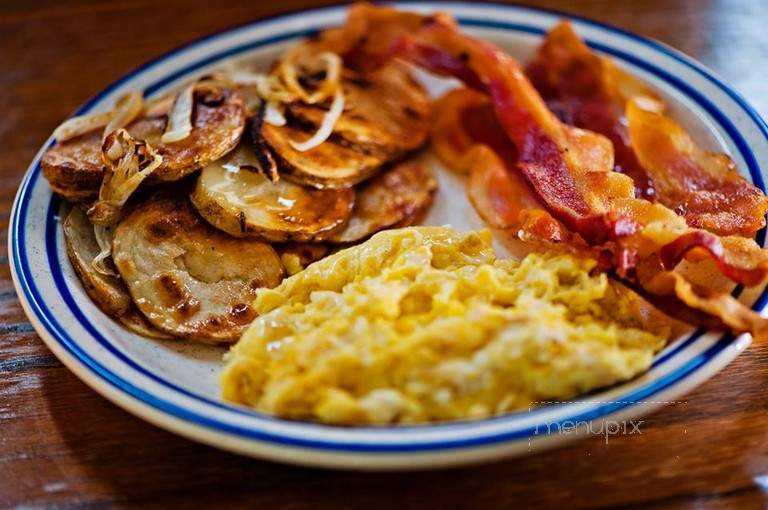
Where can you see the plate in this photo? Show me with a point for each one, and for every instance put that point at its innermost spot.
(174, 384)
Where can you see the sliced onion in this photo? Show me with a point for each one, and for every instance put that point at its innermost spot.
(326, 127)
(180, 118)
(122, 155)
(81, 124)
(271, 89)
(127, 108)
(331, 81)
(287, 71)
(104, 235)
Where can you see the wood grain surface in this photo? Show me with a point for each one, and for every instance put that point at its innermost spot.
(63, 445)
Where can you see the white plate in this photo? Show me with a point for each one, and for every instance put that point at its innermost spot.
(174, 385)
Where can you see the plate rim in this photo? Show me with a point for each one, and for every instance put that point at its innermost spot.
(80, 367)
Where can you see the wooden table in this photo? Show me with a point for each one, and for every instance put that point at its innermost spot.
(62, 444)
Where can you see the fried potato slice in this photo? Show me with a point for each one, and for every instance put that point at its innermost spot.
(332, 164)
(234, 196)
(108, 292)
(393, 197)
(74, 167)
(188, 278)
(385, 112)
(218, 121)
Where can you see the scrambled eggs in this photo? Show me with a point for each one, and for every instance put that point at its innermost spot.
(424, 323)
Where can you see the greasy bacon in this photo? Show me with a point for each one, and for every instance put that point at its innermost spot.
(589, 91)
(467, 138)
(702, 186)
(549, 153)
(461, 119)
(569, 170)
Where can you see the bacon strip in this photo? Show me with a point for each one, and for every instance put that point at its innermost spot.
(589, 91)
(546, 152)
(702, 186)
(468, 139)
(365, 39)
(582, 192)
(570, 170)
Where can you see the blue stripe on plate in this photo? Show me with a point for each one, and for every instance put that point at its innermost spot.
(71, 345)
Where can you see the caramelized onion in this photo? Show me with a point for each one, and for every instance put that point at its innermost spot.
(180, 119)
(128, 162)
(326, 127)
(126, 108)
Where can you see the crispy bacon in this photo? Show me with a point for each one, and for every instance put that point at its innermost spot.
(365, 40)
(461, 119)
(571, 172)
(702, 186)
(722, 305)
(588, 91)
(467, 138)
(545, 147)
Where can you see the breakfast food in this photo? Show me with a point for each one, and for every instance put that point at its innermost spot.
(235, 196)
(666, 165)
(280, 203)
(424, 323)
(105, 288)
(581, 203)
(197, 199)
(186, 277)
(394, 197)
(74, 166)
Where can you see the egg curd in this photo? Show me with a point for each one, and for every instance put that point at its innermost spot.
(424, 324)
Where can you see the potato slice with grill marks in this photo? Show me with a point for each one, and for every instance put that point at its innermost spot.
(396, 197)
(386, 112)
(108, 292)
(74, 167)
(332, 164)
(218, 121)
(188, 278)
(234, 196)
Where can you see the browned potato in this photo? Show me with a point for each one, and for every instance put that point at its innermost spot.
(188, 278)
(234, 196)
(386, 112)
(108, 292)
(332, 164)
(395, 197)
(217, 126)
(74, 167)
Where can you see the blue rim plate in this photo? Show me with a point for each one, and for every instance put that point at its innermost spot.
(173, 385)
